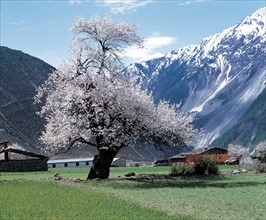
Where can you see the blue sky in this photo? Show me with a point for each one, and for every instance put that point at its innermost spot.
(41, 28)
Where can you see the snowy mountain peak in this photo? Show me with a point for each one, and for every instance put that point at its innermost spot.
(248, 29)
(216, 80)
(253, 24)
(258, 17)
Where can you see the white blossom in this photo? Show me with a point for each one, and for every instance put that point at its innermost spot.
(259, 152)
(88, 101)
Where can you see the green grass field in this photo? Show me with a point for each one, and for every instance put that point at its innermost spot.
(35, 196)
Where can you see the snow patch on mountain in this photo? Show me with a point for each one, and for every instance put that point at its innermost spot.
(216, 80)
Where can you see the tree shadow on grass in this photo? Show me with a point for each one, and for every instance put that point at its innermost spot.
(187, 182)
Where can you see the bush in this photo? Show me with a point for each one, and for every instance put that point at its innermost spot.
(182, 169)
(213, 169)
(205, 165)
(260, 167)
(202, 165)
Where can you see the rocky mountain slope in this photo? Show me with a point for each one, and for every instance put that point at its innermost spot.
(20, 75)
(250, 130)
(217, 80)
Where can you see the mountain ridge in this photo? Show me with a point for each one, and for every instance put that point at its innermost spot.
(20, 76)
(211, 77)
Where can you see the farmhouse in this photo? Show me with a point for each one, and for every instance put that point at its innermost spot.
(33, 161)
(220, 155)
(71, 163)
(232, 161)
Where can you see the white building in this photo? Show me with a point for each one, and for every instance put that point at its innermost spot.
(71, 163)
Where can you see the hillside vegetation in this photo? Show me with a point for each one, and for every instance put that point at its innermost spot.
(250, 130)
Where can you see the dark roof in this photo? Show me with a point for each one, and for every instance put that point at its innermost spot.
(22, 152)
(162, 161)
(179, 156)
(202, 150)
(196, 151)
(4, 142)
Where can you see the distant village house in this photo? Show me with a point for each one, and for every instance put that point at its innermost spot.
(33, 161)
(71, 163)
(220, 155)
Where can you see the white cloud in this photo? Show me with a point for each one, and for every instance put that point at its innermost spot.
(188, 2)
(152, 48)
(123, 6)
(22, 29)
(73, 2)
(20, 25)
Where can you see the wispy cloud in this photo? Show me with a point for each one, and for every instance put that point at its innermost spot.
(151, 47)
(188, 2)
(20, 25)
(22, 29)
(74, 2)
(123, 6)
(16, 23)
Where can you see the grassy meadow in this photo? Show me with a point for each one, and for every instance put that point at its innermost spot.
(35, 196)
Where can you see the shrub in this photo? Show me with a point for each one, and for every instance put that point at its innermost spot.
(205, 165)
(213, 169)
(182, 169)
(202, 165)
(137, 165)
(260, 167)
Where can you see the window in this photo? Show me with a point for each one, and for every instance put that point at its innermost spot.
(54, 165)
(66, 165)
(77, 164)
(87, 163)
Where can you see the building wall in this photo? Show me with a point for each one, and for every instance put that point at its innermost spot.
(71, 165)
(219, 158)
(23, 165)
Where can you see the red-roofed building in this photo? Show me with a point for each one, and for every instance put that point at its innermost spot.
(220, 155)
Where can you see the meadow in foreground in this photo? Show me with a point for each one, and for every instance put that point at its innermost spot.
(219, 197)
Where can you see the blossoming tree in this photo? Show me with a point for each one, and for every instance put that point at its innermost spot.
(88, 101)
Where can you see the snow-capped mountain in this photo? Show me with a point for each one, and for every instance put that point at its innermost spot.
(216, 80)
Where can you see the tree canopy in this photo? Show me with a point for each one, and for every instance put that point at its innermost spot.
(88, 100)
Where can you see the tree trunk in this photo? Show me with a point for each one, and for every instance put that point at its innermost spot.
(101, 164)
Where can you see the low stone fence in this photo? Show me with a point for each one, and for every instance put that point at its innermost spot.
(23, 165)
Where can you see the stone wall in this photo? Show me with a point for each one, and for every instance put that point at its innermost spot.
(23, 165)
